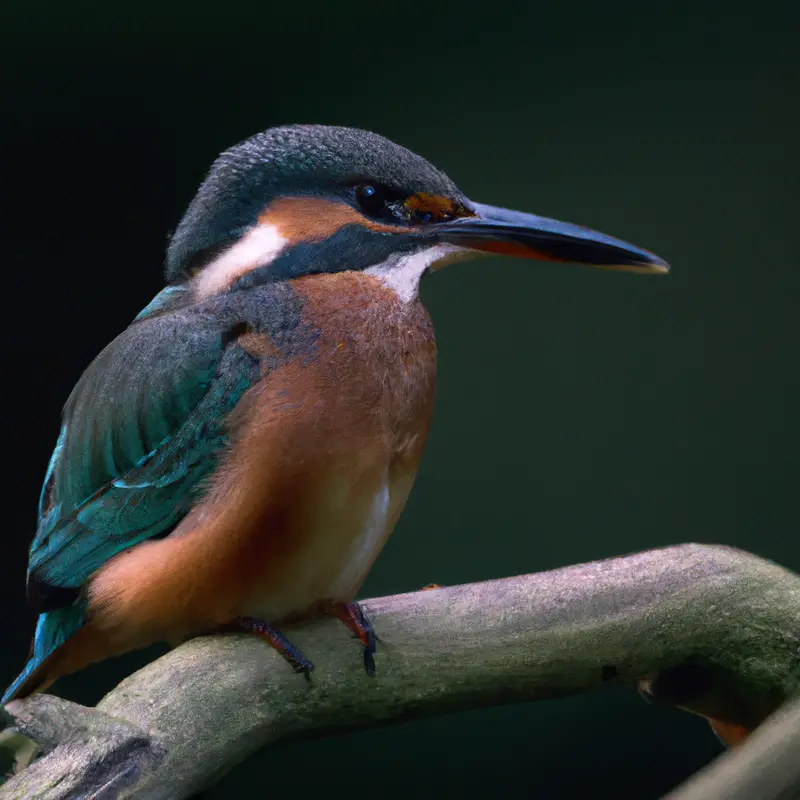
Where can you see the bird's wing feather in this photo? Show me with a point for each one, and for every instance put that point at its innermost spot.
(141, 430)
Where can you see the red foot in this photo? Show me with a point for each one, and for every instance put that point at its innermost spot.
(355, 620)
(278, 641)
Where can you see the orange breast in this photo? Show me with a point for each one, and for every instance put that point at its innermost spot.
(324, 453)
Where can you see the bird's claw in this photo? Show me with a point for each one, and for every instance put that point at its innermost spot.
(350, 614)
(356, 621)
(298, 662)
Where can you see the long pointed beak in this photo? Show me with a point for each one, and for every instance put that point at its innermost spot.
(500, 230)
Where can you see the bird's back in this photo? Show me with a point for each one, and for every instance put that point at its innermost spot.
(232, 411)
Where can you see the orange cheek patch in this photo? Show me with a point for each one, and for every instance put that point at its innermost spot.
(440, 208)
(314, 219)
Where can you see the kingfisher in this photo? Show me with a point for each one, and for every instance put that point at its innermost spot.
(237, 457)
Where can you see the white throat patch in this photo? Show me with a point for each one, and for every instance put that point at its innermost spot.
(256, 248)
(402, 272)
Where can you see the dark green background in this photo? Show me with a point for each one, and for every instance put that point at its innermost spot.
(581, 414)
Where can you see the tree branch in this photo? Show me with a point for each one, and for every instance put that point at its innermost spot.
(766, 768)
(714, 629)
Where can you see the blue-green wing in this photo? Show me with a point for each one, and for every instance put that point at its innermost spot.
(141, 430)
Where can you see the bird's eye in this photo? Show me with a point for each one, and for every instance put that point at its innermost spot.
(372, 198)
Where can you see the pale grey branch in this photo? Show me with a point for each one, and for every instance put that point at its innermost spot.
(714, 630)
(768, 768)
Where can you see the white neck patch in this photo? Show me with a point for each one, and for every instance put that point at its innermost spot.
(256, 248)
(402, 272)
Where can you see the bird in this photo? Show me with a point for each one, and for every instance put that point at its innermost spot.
(237, 456)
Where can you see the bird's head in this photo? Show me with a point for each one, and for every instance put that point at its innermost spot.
(310, 199)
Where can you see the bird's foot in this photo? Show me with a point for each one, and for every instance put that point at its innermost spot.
(355, 620)
(278, 641)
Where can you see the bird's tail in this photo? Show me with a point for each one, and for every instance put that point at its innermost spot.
(53, 628)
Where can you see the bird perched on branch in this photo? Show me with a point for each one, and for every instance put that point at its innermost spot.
(237, 457)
